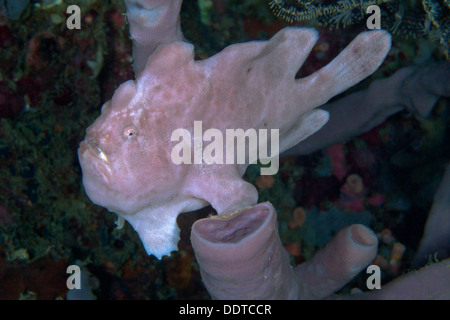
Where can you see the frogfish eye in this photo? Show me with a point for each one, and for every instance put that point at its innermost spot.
(130, 133)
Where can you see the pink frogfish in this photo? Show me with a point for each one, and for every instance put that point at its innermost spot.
(144, 157)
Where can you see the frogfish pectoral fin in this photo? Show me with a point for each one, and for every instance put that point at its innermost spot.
(157, 230)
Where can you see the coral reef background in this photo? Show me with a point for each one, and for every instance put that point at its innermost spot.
(53, 82)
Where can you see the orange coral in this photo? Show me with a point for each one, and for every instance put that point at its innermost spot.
(298, 218)
(264, 182)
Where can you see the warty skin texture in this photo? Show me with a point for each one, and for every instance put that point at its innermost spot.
(126, 156)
